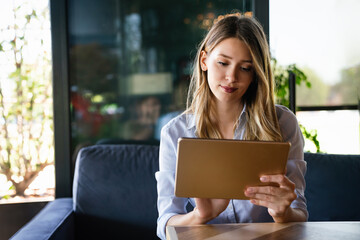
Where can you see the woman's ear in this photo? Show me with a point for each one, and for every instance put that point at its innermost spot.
(203, 57)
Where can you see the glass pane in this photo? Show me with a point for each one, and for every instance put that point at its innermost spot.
(130, 63)
(26, 107)
(320, 38)
(338, 131)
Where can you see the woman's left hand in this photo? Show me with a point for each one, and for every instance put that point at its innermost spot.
(276, 198)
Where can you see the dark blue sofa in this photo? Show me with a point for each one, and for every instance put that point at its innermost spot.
(114, 195)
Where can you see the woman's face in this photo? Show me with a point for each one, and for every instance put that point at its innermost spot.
(229, 70)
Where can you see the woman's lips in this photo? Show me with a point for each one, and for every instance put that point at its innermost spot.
(228, 89)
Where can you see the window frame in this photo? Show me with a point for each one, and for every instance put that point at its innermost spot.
(61, 98)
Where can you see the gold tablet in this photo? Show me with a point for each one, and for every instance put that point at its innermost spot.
(219, 168)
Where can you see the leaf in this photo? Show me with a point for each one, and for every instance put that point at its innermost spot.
(6, 197)
(28, 18)
(33, 13)
(312, 136)
(12, 42)
(7, 165)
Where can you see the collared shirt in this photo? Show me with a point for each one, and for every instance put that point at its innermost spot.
(238, 211)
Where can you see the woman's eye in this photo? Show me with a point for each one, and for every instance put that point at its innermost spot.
(222, 63)
(246, 69)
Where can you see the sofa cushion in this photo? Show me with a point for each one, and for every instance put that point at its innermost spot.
(333, 187)
(117, 183)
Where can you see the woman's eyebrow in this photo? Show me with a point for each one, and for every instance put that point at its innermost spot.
(226, 56)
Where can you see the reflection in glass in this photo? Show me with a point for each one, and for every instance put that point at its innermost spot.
(130, 63)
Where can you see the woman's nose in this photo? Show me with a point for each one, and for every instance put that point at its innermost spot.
(231, 75)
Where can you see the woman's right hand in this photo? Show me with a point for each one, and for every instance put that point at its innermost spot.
(207, 209)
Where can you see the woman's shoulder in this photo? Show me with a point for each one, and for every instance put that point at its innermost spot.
(290, 131)
(287, 120)
(288, 123)
(284, 114)
(180, 122)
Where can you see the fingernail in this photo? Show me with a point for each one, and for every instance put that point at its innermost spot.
(250, 190)
(263, 179)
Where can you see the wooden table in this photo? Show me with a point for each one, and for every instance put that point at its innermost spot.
(262, 231)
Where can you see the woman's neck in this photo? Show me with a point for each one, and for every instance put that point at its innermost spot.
(226, 116)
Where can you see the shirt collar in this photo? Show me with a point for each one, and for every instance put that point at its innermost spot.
(190, 121)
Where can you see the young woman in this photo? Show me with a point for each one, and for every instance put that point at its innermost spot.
(231, 97)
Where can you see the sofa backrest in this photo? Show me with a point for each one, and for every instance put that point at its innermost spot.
(333, 187)
(115, 185)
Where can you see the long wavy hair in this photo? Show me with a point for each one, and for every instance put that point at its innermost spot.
(262, 122)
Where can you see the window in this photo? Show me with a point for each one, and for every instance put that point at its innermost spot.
(130, 64)
(338, 130)
(26, 135)
(319, 37)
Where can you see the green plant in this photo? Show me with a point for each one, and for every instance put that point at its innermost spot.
(312, 136)
(26, 136)
(281, 77)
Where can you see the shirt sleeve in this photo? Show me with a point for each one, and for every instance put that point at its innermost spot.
(168, 204)
(296, 166)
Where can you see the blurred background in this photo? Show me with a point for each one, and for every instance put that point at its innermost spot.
(77, 73)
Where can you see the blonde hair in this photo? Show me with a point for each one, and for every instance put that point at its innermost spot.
(262, 122)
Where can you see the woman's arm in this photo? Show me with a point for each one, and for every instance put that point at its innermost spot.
(168, 205)
(172, 209)
(287, 202)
